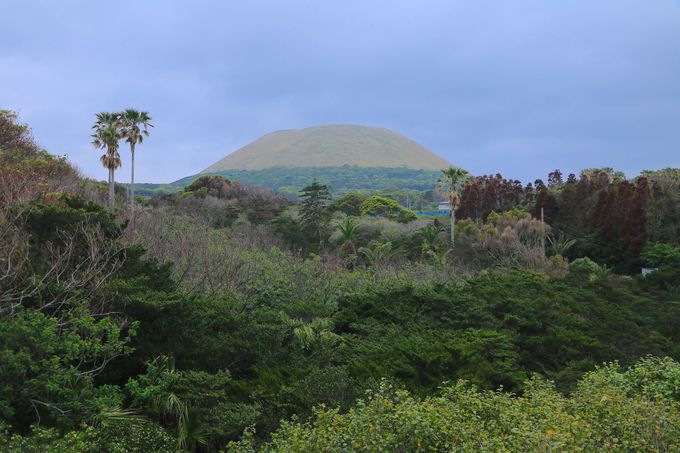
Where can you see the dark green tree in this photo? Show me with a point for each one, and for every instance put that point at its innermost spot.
(350, 204)
(313, 209)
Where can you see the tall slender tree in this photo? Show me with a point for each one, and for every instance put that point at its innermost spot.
(106, 136)
(134, 126)
(453, 178)
(313, 209)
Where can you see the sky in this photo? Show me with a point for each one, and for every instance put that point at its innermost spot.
(520, 87)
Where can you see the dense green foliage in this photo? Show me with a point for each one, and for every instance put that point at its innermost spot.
(384, 207)
(289, 181)
(226, 308)
(610, 409)
(115, 436)
(313, 213)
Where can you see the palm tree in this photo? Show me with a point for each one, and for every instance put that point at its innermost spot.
(440, 259)
(134, 126)
(429, 234)
(106, 136)
(453, 178)
(378, 254)
(560, 244)
(348, 229)
(173, 410)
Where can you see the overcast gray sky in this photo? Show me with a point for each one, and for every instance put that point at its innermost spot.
(513, 86)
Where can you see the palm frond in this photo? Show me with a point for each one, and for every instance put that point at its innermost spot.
(560, 244)
(114, 414)
(134, 125)
(348, 228)
(378, 254)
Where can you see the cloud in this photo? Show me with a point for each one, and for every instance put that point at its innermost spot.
(518, 87)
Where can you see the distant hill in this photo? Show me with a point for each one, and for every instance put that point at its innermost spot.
(346, 157)
(331, 146)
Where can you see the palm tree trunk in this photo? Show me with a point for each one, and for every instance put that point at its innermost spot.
(108, 184)
(112, 193)
(453, 226)
(132, 183)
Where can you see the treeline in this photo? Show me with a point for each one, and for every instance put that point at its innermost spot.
(289, 181)
(610, 218)
(226, 316)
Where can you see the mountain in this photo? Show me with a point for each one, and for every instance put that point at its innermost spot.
(346, 157)
(331, 146)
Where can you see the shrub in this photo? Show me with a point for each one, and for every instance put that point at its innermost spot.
(588, 267)
(385, 207)
(120, 436)
(660, 254)
(603, 413)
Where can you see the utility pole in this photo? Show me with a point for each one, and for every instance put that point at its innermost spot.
(542, 231)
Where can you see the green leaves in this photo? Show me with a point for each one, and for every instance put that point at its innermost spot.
(134, 125)
(603, 413)
(48, 365)
(385, 207)
(660, 254)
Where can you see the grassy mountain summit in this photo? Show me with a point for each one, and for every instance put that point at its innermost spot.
(331, 146)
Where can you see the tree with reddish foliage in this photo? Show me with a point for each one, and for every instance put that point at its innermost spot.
(663, 206)
(469, 199)
(620, 220)
(545, 207)
(483, 194)
(610, 217)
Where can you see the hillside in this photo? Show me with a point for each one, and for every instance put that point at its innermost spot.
(289, 181)
(331, 146)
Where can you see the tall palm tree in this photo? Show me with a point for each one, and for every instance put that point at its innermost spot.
(134, 127)
(452, 180)
(106, 136)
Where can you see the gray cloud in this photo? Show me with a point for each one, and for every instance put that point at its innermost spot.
(520, 87)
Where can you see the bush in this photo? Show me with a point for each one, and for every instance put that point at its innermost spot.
(509, 240)
(384, 207)
(603, 413)
(120, 436)
(660, 254)
(586, 266)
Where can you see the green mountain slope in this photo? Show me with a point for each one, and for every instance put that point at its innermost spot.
(289, 181)
(331, 146)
